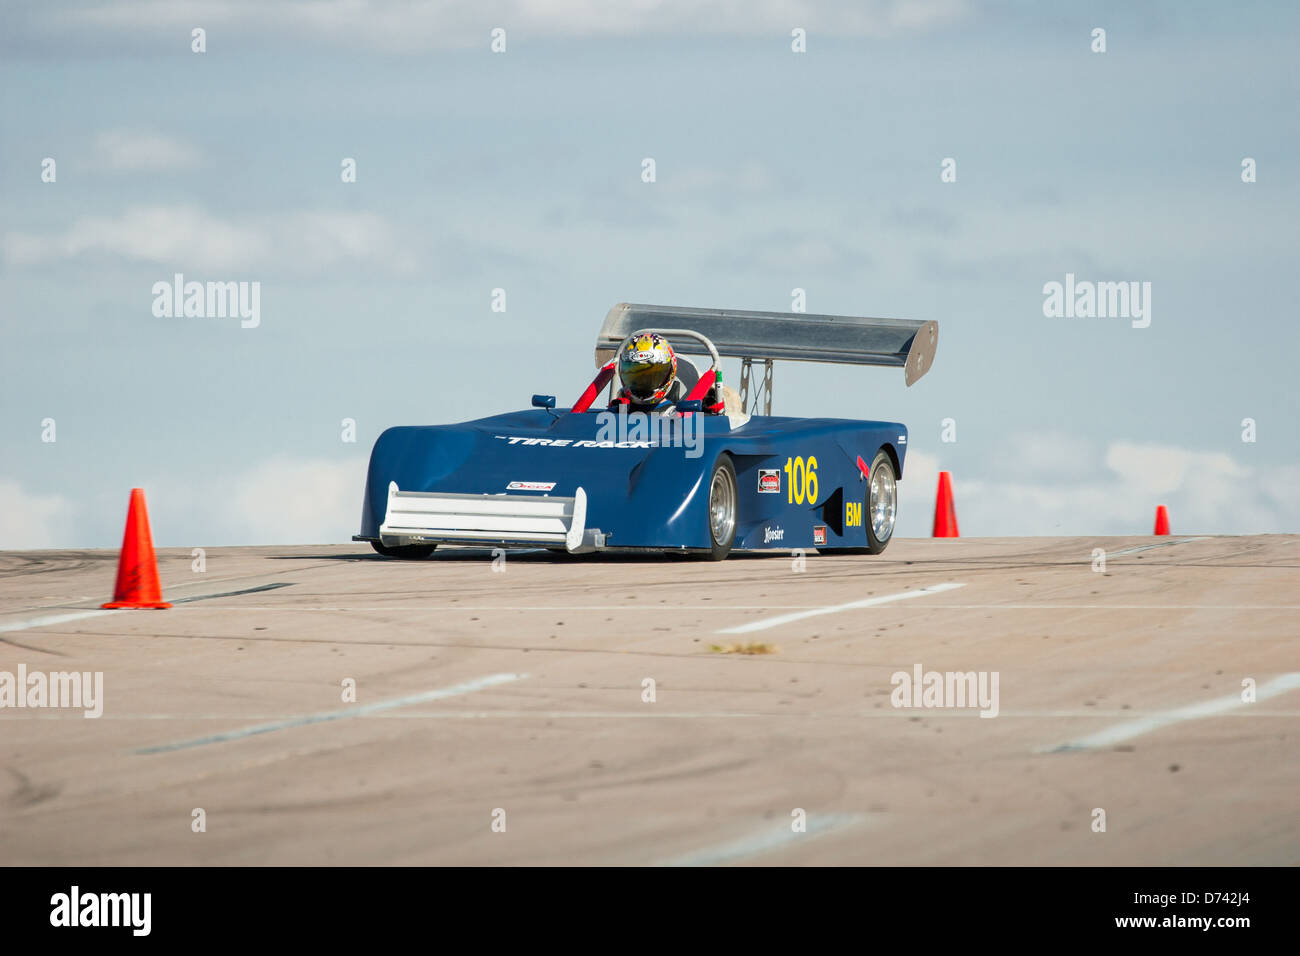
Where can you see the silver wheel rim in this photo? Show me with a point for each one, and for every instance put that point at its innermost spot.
(722, 506)
(884, 504)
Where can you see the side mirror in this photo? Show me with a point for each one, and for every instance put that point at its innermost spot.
(691, 405)
(543, 401)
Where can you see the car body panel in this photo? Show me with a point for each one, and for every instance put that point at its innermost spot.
(646, 495)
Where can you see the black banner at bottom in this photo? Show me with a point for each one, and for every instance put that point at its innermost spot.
(334, 906)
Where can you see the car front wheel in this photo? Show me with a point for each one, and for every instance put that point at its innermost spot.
(880, 506)
(882, 503)
(722, 507)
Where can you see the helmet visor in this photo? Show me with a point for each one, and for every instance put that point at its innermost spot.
(643, 379)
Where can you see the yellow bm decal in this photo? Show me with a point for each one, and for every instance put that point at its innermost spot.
(853, 514)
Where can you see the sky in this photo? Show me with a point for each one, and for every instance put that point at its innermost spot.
(522, 170)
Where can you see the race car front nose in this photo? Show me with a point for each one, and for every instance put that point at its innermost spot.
(418, 517)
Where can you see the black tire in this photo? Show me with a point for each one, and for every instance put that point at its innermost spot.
(876, 545)
(724, 489)
(407, 552)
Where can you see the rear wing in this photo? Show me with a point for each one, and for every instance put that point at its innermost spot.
(797, 336)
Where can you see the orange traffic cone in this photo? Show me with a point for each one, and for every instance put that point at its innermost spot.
(945, 514)
(1162, 519)
(137, 569)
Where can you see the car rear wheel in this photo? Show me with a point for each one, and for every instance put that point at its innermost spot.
(723, 501)
(407, 552)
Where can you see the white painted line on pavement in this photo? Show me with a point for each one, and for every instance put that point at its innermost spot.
(466, 688)
(28, 623)
(1158, 544)
(1143, 725)
(49, 619)
(836, 608)
(776, 837)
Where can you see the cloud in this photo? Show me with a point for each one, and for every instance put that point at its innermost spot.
(415, 27)
(188, 237)
(131, 151)
(30, 520)
(1052, 484)
(174, 235)
(278, 501)
(296, 501)
(747, 178)
(790, 252)
(281, 500)
(921, 218)
(1163, 469)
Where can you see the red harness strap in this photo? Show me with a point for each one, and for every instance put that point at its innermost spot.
(600, 381)
(701, 389)
(702, 386)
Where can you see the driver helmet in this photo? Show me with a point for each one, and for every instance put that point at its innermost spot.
(647, 367)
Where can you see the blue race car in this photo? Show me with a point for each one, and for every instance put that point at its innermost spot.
(702, 472)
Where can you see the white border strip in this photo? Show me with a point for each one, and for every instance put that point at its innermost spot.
(835, 608)
(1136, 728)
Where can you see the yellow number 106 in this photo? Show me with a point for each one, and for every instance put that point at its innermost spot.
(801, 481)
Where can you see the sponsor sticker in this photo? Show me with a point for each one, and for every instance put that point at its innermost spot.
(819, 534)
(769, 481)
(773, 534)
(572, 443)
(530, 486)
